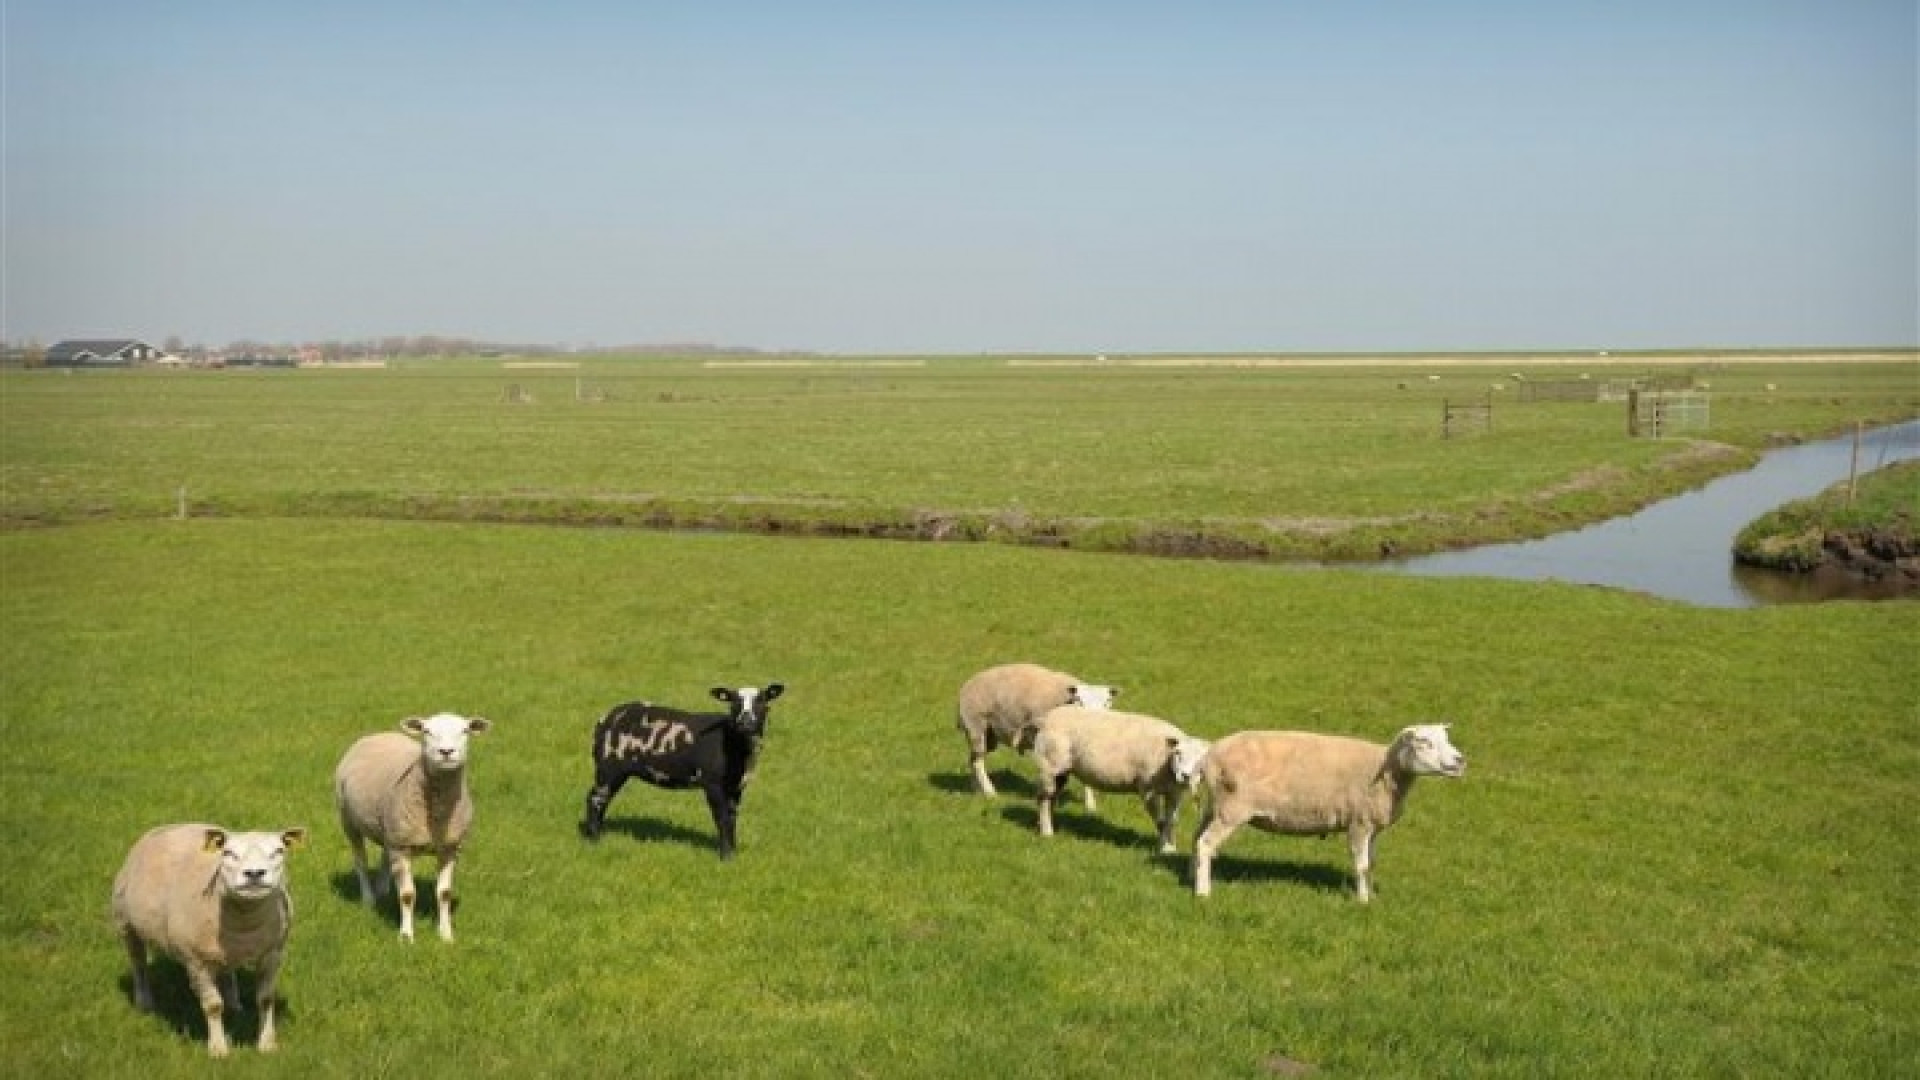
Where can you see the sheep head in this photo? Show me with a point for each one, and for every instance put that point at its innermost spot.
(1185, 758)
(1092, 695)
(252, 864)
(443, 738)
(747, 707)
(1426, 750)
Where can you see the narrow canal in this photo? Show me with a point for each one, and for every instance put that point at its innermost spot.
(1682, 548)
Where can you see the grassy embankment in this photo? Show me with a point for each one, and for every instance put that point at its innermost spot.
(1878, 517)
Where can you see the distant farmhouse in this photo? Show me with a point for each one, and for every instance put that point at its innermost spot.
(106, 352)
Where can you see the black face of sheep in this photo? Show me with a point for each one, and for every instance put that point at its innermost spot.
(747, 707)
(671, 748)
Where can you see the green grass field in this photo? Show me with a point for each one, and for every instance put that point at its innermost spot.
(1679, 849)
(1320, 462)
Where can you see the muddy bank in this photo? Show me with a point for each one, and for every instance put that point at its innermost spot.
(1887, 558)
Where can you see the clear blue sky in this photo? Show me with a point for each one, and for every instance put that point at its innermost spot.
(980, 175)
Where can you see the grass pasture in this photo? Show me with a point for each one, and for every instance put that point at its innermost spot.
(1312, 462)
(1678, 849)
(1682, 846)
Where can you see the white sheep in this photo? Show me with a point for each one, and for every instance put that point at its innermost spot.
(216, 901)
(1116, 751)
(1001, 704)
(1304, 784)
(411, 799)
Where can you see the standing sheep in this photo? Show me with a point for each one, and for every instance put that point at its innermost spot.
(1001, 704)
(1115, 751)
(216, 901)
(673, 748)
(1303, 784)
(410, 797)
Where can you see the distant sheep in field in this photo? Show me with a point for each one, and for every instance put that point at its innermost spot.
(670, 748)
(1305, 784)
(409, 797)
(1116, 751)
(1001, 704)
(216, 901)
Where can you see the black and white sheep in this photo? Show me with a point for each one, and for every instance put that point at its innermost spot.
(409, 796)
(1305, 784)
(672, 748)
(1115, 751)
(1002, 704)
(216, 901)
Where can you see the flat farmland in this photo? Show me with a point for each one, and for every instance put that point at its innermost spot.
(1678, 850)
(1308, 461)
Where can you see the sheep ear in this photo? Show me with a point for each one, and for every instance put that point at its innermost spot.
(723, 693)
(294, 838)
(215, 841)
(772, 691)
(478, 724)
(414, 725)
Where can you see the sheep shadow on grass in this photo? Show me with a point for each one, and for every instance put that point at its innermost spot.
(426, 910)
(1080, 824)
(1231, 870)
(1009, 782)
(175, 1005)
(651, 830)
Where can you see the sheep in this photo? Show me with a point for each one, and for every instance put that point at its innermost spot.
(1304, 784)
(1116, 751)
(670, 748)
(216, 901)
(410, 797)
(999, 704)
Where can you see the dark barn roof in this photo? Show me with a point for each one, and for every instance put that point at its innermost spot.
(98, 352)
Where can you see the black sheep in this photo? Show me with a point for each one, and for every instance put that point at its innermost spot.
(671, 748)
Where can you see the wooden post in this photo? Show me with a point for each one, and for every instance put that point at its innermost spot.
(1853, 464)
(1633, 413)
(180, 503)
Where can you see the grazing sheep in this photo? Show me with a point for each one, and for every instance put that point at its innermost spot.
(999, 705)
(1304, 784)
(410, 797)
(670, 748)
(216, 901)
(1116, 751)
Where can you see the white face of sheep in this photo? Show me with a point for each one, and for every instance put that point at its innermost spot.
(1429, 752)
(253, 865)
(1092, 695)
(1188, 755)
(443, 738)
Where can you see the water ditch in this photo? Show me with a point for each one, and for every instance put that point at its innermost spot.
(1682, 548)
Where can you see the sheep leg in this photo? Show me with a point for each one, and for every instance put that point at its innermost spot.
(1162, 808)
(606, 784)
(722, 809)
(230, 991)
(358, 845)
(206, 989)
(1212, 835)
(400, 868)
(1086, 795)
(443, 894)
(263, 999)
(978, 746)
(1360, 844)
(1049, 791)
(137, 954)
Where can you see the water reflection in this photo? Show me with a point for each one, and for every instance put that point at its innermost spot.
(1682, 548)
